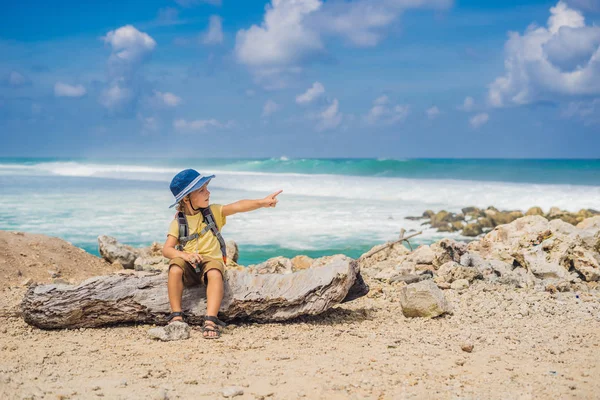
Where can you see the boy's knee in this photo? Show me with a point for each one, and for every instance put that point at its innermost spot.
(214, 274)
(175, 270)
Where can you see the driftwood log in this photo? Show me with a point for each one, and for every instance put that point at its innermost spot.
(113, 299)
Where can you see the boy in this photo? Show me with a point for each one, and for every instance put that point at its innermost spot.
(200, 257)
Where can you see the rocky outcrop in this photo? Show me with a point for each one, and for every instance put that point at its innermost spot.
(528, 252)
(142, 298)
(474, 221)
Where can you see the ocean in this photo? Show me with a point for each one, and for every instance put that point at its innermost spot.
(328, 206)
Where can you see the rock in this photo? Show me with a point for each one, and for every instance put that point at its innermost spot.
(410, 278)
(453, 271)
(423, 299)
(428, 214)
(176, 330)
(385, 274)
(457, 225)
(535, 259)
(473, 211)
(467, 347)
(447, 250)
(535, 211)
(501, 218)
(233, 252)
(555, 212)
(459, 284)
(142, 298)
(473, 229)
(585, 263)
(422, 255)
(301, 262)
(388, 257)
(232, 391)
(593, 222)
(485, 222)
(27, 282)
(275, 265)
(151, 263)
(444, 227)
(111, 250)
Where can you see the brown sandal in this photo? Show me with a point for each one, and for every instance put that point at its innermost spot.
(214, 327)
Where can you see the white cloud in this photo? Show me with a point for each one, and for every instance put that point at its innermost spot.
(200, 125)
(479, 120)
(192, 3)
(385, 113)
(66, 90)
(16, 79)
(330, 118)
(316, 90)
(587, 111)
(560, 61)
(270, 107)
(168, 99)
(282, 39)
(433, 112)
(130, 49)
(116, 97)
(128, 44)
(214, 35)
(468, 104)
(292, 31)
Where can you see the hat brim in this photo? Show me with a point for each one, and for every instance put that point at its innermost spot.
(197, 186)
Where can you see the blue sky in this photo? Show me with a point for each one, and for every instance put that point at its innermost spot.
(302, 78)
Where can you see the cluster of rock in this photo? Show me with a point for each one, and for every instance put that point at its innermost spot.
(530, 252)
(473, 221)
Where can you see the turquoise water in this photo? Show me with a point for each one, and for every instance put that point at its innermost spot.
(328, 206)
(579, 172)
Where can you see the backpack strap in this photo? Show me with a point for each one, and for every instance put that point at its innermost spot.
(183, 231)
(211, 225)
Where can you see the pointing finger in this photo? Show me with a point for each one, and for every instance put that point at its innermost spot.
(276, 194)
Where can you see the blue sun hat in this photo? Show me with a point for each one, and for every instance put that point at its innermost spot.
(186, 182)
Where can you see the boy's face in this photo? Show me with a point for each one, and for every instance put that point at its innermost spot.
(201, 197)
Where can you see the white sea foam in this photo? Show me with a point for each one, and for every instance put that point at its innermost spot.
(315, 211)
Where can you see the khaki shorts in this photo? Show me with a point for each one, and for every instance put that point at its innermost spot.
(193, 278)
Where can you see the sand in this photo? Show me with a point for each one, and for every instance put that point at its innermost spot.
(525, 345)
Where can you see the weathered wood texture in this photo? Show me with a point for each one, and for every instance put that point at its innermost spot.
(113, 299)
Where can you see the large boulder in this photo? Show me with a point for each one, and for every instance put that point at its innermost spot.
(111, 250)
(423, 299)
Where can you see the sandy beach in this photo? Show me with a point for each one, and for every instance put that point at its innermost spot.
(500, 342)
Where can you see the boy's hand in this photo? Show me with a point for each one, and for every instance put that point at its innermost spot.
(192, 258)
(271, 200)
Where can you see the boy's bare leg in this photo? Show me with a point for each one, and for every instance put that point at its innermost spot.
(175, 288)
(214, 295)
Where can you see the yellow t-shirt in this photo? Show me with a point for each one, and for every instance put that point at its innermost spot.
(207, 244)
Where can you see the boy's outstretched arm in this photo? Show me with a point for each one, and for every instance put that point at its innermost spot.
(250, 205)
